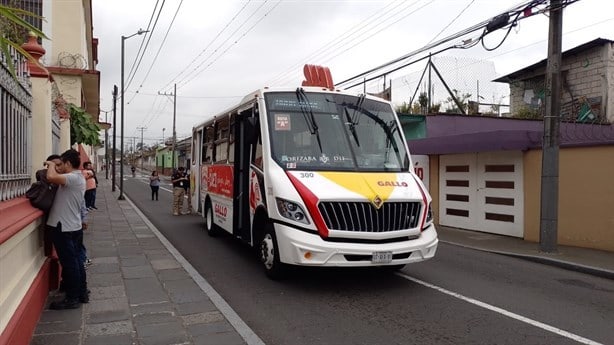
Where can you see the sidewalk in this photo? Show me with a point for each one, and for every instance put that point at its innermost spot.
(591, 261)
(142, 290)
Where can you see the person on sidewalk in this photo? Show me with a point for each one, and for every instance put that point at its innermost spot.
(186, 187)
(90, 186)
(65, 225)
(92, 191)
(179, 180)
(154, 184)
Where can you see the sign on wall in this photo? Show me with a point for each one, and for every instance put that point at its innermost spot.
(421, 168)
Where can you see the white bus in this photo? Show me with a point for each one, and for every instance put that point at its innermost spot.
(312, 176)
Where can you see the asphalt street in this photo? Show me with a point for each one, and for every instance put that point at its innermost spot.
(462, 296)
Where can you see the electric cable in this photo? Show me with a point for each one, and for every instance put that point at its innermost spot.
(348, 34)
(148, 35)
(158, 52)
(211, 54)
(230, 46)
(153, 13)
(208, 45)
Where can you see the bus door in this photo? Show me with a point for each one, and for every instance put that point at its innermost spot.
(244, 143)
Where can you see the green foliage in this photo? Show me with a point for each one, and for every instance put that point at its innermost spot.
(12, 30)
(527, 113)
(403, 108)
(462, 99)
(83, 130)
(435, 108)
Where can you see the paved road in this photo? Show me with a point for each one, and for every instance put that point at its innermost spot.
(461, 296)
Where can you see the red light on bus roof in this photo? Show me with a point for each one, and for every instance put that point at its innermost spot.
(318, 76)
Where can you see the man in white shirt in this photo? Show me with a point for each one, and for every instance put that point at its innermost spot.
(65, 225)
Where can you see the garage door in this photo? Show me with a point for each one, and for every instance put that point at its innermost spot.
(482, 191)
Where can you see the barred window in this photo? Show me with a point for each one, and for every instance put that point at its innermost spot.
(15, 130)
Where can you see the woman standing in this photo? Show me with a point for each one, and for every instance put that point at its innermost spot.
(154, 183)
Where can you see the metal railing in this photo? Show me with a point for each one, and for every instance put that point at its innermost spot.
(15, 127)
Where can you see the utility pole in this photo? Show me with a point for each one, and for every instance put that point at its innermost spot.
(174, 94)
(114, 135)
(548, 232)
(106, 144)
(142, 151)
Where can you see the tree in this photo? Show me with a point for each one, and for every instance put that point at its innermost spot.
(462, 99)
(13, 28)
(403, 108)
(82, 129)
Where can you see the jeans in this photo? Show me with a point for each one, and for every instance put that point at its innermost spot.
(68, 247)
(154, 192)
(90, 198)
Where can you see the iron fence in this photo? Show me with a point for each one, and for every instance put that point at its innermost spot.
(15, 127)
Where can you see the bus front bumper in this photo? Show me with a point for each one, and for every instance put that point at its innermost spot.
(306, 249)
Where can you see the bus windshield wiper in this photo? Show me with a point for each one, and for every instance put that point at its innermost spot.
(311, 120)
(358, 109)
(352, 126)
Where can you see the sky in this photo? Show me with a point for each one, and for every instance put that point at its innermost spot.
(217, 51)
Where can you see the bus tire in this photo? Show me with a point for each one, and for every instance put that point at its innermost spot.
(212, 229)
(269, 254)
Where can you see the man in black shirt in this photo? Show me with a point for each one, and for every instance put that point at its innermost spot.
(179, 180)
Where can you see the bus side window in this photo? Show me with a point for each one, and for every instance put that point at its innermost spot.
(231, 140)
(207, 150)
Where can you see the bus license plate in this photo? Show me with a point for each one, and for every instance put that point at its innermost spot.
(381, 257)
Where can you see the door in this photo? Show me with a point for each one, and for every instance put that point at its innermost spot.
(482, 191)
(243, 142)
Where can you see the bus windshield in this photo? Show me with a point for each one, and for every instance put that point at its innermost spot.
(333, 132)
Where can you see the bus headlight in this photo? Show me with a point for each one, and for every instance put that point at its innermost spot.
(429, 217)
(291, 210)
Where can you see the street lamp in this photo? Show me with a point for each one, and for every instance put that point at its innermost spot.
(121, 155)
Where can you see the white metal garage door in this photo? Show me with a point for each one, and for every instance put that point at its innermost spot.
(482, 191)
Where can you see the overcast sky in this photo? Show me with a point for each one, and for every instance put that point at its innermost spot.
(218, 51)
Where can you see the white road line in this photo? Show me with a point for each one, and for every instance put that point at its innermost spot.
(250, 337)
(501, 311)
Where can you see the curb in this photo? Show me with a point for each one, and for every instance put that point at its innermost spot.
(598, 272)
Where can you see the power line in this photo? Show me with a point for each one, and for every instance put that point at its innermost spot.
(346, 35)
(469, 43)
(211, 54)
(208, 45)
(235, 42)
(153, 13)
(146, 45)
(453, 20)
(158, 52)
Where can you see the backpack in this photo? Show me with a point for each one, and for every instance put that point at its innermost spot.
(41, 193)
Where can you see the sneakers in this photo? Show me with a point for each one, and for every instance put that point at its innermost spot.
(175, 213)
(72, 303)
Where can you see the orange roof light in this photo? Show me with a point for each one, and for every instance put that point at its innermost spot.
(318, 76)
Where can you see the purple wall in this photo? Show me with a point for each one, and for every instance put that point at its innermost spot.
(461, 133)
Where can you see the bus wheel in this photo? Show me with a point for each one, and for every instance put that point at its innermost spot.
(269, 254)
(211, 228)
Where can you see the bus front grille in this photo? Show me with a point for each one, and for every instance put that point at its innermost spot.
(364, 217)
